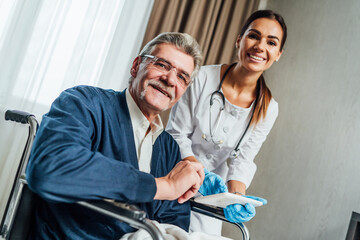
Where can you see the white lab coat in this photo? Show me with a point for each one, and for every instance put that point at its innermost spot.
(189, 121)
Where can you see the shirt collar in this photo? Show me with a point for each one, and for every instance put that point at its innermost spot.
(138, 119)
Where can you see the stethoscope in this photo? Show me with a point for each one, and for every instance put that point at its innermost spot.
(236, 151)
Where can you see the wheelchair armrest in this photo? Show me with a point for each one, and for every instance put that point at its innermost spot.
(127, 213)
(218, 213)
(119, 209)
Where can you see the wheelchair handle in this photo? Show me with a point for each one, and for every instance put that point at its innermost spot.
(18, 116)
(19, 181)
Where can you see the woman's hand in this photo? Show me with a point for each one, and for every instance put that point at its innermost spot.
(242, 213)
(238, 213)
(212, 184)
(191, 159)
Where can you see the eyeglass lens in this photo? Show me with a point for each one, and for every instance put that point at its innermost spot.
(165, 66)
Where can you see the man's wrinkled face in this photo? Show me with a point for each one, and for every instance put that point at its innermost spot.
(153, 90)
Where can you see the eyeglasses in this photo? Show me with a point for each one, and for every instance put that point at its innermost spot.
(164, 66)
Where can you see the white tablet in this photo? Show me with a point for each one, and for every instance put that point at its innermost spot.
(224, 199)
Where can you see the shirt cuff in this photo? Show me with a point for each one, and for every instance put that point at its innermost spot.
(146, 189)
(186, 152)
(244, 177)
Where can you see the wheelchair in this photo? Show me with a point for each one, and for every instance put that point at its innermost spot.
(16, 220)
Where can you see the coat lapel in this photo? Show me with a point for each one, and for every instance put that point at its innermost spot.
(127, 129)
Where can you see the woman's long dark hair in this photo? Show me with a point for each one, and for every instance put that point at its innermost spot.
(263, 92)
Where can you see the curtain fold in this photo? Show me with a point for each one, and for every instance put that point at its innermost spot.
(215, 24)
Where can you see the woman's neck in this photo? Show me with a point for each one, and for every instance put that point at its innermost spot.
(239, 86)
(241, 78)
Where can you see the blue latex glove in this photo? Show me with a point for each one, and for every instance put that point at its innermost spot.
(212, 184)
(240, 213)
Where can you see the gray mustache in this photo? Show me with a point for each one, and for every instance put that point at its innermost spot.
(159, 84)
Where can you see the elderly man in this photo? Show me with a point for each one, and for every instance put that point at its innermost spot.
(96, 144)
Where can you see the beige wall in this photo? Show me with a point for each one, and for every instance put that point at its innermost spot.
(309, 167)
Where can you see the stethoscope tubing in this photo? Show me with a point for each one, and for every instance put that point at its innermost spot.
(236, 151)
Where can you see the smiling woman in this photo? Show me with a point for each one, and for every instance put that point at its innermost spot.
(260, 45)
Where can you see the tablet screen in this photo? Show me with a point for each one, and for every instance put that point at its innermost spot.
(224, 199)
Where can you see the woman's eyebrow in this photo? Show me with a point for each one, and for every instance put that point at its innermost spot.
(255, 30)
(275, 37)
(258, 32)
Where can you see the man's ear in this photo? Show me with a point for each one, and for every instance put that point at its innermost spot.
(135, 66)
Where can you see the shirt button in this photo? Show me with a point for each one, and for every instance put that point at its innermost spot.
(208, 156)
(225, 129)
(234, 113)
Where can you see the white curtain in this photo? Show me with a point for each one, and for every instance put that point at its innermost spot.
(47, 46)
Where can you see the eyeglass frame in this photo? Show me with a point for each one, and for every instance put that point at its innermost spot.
(154, 59)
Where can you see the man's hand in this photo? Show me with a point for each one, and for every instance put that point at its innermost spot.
(181, 183)
(201, 172)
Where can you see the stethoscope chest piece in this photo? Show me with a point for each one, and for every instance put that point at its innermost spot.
(234, 153)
